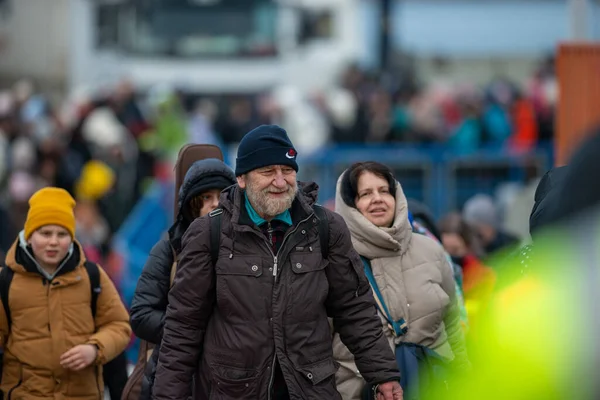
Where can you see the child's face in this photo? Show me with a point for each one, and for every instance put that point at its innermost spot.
(50, 245)
(210, 201)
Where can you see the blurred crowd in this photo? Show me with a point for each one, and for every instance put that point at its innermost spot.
(105, 146)
(375, 107)
(463, 115)
(91, 152)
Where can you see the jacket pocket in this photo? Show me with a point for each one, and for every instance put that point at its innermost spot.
(319, 372)
(309, 286)
(303, 263)
(228, 383)
(87, 382)
(235, 279)
(246, 266)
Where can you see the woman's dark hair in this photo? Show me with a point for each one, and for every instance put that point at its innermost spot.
(349, 184)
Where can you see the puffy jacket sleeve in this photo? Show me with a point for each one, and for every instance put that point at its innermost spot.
(149, 303)
(191, 301)
(454, 330)
(112, 322)
(351, 305)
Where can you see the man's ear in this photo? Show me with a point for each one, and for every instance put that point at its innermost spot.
(241, 180)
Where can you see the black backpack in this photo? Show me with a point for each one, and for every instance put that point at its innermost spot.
(6, 276)
(215, 232)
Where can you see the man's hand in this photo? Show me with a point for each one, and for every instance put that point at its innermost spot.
(389, 391)
(79, 357)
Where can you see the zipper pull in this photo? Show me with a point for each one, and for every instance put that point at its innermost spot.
(275, 267)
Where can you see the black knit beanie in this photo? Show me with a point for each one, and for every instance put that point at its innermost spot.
(264, 146)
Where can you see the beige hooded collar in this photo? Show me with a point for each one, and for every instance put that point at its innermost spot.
(369, 240)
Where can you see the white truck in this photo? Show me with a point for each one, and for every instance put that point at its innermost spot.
(214, 46)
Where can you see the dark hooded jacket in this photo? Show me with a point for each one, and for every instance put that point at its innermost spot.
(150, 300)
(562, 194)
(546, 199)
(235, 320)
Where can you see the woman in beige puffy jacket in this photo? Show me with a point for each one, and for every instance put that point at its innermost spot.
(411, 271)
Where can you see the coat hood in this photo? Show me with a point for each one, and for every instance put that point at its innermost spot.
(579, 191)
(369, 240)
(203, 175)
(546, 198)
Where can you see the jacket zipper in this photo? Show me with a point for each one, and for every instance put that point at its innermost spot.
(275, 258)
(270, 233)
(9, 395)
(19, 383)
(272, 377)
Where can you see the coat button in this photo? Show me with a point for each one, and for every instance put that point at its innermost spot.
(303, 232)
(254, 268)
(298, 265)
(309, 376)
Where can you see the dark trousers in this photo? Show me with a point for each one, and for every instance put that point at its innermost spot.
(115, 376)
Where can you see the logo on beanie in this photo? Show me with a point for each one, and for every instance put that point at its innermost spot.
(291, 154)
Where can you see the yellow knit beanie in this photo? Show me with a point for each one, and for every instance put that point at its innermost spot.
(50, 206)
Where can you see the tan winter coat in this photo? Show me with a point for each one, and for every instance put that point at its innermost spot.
(50, 318)
(416, 282)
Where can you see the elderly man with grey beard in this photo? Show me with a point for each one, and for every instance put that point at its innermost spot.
(256, 282)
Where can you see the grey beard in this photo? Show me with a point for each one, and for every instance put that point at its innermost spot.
(270, 208)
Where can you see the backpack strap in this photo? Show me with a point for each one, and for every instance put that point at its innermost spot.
(215, 234)
(6, 276)
(94, 274)
(323, 230)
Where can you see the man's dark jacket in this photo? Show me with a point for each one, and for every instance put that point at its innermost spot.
(232, 320)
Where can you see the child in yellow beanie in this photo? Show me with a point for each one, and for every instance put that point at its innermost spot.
(61, 316)
(50, 206)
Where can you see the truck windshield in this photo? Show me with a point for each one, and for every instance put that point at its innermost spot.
(202, 29)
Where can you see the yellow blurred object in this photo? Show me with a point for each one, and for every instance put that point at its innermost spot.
(95, 181)
(535, 339)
